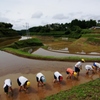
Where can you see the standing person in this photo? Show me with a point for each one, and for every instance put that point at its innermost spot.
(57, 77)
(40, 79)
(78, 66)
(23, 83)
(89, 68)
(71, 73)
(8, 86)
(97, 65)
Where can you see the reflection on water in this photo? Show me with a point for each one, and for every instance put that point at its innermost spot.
(66, 50)
(25, 38)
(94, 53)
(59, 53)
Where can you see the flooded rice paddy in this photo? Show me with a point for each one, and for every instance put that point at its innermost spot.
(12, 67)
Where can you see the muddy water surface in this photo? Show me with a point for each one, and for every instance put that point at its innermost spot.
(12, 67)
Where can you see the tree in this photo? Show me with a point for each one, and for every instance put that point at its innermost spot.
(68, 31)
(5, 25)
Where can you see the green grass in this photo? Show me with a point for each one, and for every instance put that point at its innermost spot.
(26, 43)
(86, 91)
(91, 35)
(34, 56)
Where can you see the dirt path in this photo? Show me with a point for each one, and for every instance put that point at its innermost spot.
(12, 67)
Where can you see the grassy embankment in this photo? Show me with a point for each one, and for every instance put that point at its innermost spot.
(86, 91)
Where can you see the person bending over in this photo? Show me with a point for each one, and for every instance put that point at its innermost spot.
(23, 83)
(40, 79)
(57, 77)
(71, 73)
(89, 68)
(97, 65)
(7, 86)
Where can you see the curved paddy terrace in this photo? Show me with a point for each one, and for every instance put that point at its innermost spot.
(61, 53)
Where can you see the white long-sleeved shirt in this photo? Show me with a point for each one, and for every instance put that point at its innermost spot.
(7, 82)
(97, 64)
(88, 67)
(78, 64)
(39, 75)
(57, 74)
(22, 80)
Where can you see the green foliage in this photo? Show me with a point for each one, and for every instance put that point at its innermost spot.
(73, 35)
(86, 91)
(7, 31)
(1, 34)
(26, 43)
(73, 29)
(95, 41)
(92, 38)
(51, 33)
(5, 25)
(91, 35)
(83, 24)
(74, 32)
(68, 31)
(86, 31)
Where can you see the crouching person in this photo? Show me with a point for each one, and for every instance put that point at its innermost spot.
(23, 83)
(71, 73)
(8, 86)
(57, 77)
(40, 79)
(89, 68)
(97, 65)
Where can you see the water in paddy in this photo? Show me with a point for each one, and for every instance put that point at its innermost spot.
(12, 67)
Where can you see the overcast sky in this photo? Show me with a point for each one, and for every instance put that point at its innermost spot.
(42, 12)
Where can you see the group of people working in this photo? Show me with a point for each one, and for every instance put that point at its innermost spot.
(78, 66)
(24, 83)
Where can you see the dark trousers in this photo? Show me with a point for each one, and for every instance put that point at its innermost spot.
(18, 82)
(6, 89)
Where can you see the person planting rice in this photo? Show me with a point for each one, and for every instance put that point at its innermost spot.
(8, 87)
(71, 73)
(78, 66)
(23, 83)
(89, 68)
(57, 77)
(97, 65)
(40, 79)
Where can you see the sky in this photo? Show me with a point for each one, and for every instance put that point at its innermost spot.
(24, 14)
